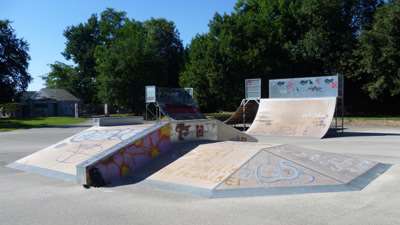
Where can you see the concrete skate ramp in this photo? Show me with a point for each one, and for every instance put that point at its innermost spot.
(63, 159)
(178, 104)
(103, 155)
(306, 117)
(237, 117)
(228, 169)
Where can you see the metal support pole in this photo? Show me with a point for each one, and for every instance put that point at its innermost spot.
(342, 84)
(76, 110)
(145, 113)
(244, 114)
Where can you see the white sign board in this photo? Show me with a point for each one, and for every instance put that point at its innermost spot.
(306, 87)
(189, 90)
(252, 88)
(150, 94)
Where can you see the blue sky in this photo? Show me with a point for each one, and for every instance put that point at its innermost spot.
(42, 22)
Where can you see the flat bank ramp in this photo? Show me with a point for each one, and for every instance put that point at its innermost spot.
(228, 169)
(305, 117)
(88, 147)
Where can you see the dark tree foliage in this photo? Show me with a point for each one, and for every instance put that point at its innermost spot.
(148, 53)
(115, 57)
(14, 57)
(379, 53)
(81, 44)
(63, 76)
(273, 39)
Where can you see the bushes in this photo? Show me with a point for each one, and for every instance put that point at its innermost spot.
(11, 110)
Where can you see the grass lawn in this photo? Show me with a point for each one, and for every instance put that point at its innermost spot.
(373, 118)
(26, 123)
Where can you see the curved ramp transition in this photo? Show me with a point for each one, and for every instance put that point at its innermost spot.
(250, 108)
(306, 117)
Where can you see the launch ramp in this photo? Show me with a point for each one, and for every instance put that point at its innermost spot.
(229, 169)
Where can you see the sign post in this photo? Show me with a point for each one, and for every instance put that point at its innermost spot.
(252, 89)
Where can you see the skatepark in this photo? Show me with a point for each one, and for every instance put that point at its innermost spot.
(232, 163)
(27, 198)
(286, 168)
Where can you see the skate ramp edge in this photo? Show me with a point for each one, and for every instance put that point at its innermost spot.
(125, 158)
(250, 169)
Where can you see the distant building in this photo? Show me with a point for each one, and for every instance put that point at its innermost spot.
(49, 102)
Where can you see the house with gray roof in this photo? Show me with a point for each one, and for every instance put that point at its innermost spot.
(49, 102)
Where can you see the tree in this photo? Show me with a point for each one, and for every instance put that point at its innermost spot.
(141, 54)
(63, 76)
(14, 57)
(82, 41)
(273, 39)
(163, 43)
(379, 54)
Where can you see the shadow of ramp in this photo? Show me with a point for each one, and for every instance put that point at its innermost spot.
(338, 134)
(178, 150)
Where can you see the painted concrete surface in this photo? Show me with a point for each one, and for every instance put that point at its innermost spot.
(38, 200)
(61, 159)
(310, 117)
(228, 169)
(105, 154)
(208, 165)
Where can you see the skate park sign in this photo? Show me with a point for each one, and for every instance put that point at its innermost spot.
(252, 88)
(150, 94)
(305, 87)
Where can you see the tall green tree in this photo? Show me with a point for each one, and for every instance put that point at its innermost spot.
(379, 54)
(82, 41)
(63, 76)
(141, 54)
(273, 39)
(14, 58)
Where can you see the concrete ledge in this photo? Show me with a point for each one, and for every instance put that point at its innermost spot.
(117, 121)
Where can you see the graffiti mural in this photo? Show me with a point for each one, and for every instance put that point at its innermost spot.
(327, 86)
(134, 156)
(270, 170)
(194, 130)
(92, 141)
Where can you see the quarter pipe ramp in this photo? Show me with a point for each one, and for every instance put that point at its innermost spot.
(306, 117)
(250, 108)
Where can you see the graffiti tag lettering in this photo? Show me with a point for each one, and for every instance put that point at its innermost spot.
(183, 130)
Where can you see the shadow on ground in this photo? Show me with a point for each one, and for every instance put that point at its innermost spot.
(338, 134)
(178, 150)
